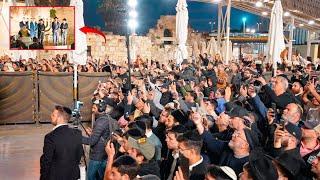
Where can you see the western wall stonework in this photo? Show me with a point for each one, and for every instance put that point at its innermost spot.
(149, 47)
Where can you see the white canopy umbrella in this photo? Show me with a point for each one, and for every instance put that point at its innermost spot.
(224, 48)
(276, 38)
(182, 18)
(79, 55)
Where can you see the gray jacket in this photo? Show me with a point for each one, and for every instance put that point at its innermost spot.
(97, 144)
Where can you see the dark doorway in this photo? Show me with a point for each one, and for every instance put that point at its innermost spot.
(167, 33)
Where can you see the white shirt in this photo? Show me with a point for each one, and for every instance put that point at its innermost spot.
(148, 134)
(195, 164)
(58, 125)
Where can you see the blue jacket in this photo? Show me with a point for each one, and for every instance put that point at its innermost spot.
(220, 107)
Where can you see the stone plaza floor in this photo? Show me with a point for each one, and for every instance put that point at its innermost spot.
(20, 151)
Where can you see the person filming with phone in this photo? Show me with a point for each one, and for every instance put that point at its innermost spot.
(98, 135)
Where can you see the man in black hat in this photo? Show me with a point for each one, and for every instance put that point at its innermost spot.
(41, 29)
(259, 167)
(286, 148)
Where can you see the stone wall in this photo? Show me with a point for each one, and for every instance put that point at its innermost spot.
(115, 47)
(149, 47)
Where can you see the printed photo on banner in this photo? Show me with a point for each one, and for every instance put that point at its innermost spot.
(42, 28)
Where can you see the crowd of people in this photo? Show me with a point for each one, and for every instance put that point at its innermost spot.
(205, 120)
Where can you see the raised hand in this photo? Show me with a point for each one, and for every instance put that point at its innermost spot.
(129, 98)
(110, 150)
(243, 91)
(146, 108)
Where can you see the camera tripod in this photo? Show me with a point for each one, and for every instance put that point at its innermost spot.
(76, 121)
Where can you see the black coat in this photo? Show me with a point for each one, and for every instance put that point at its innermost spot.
(166, 164)
(187, 73)
(62, 151)
(97, 139)
(198, 172)
(221, 151)
(152, 167)
(166, 98)
(282, 100)
(64, 26)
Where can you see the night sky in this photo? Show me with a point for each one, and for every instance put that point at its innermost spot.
(200, 14)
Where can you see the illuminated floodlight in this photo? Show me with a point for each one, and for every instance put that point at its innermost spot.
(264, 13)
(133, 24)
(301, 25)
(248, 30)
(133, 14)
(244, 19)
(253, 31)
(132, 3)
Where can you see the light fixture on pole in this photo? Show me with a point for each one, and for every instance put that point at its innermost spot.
(248, 30)
(259, 24)
(244, 19)
(133, 14)
(131, 30)
(132, 3)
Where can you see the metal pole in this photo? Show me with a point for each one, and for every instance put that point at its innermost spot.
(75, 83)
(228, 32)
(129, 59)
(290, 40)
(244, 27)
(219, 23)
(309, 44)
